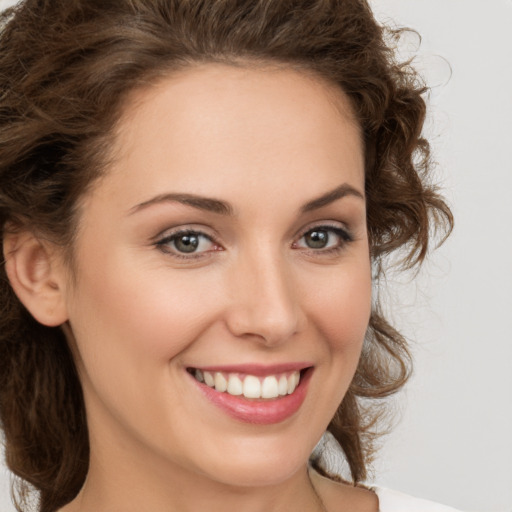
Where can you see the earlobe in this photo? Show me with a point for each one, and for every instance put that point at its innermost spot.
(36, 277)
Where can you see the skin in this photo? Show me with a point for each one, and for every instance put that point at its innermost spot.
(138, 313)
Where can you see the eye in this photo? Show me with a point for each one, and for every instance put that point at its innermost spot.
(186, 243)
(324, 238)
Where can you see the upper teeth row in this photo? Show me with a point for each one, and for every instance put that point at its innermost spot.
(250, 386)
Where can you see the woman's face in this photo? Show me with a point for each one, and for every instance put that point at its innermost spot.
(227, 243)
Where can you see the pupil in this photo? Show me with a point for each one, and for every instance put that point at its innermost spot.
(187, 243)
(317, 239)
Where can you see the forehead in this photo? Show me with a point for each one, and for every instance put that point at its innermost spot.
(202, 81)
(207, 128)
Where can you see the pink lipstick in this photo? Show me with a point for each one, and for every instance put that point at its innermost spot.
(255, 394)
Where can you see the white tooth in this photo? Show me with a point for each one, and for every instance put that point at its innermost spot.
(198, 374)
(291, 384)
(283, 385)
(234, 385)
(252, 387)
(221, 384)
(269, 388)
(208, 378)
(296, 378)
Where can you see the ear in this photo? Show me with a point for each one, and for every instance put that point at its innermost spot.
(37, 276)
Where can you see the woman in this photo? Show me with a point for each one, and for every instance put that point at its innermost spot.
(196, 199)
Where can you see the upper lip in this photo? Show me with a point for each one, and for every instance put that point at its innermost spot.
(258, 370)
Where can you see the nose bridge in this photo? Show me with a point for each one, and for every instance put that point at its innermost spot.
(265, 302)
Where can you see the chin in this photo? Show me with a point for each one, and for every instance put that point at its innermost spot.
(259, 467)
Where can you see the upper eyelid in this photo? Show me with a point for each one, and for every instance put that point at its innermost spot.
(163, 241)
(184, 229)
(168, 235)
(215, 238)
(333, 225)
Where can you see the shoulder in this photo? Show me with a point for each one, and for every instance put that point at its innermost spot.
(394, 501)
(337, 495)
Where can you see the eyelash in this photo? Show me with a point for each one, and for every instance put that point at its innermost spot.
(343, 234)
(163, 244)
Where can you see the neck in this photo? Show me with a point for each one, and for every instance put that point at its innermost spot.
(129, 480)
(185, 492)
(126, 474)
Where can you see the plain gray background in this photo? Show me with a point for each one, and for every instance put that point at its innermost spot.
(453, 443)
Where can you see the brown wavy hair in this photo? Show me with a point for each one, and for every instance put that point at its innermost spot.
(66, 66)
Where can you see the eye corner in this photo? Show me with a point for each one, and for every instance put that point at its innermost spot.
(187, 244)
(324, 233)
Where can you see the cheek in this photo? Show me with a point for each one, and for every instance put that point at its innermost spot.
(130, 322)
(339, 312)
(341, 308)
(144, 312)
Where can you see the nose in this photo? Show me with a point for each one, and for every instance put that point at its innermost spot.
(264, 300)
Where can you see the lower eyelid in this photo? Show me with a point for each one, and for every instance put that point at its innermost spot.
(164, 243)
(343, 234)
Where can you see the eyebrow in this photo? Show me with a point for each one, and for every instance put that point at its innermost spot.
(224, 208)
(199, 202)
(330, 197)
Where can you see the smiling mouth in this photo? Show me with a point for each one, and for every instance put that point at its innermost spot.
(249, 386)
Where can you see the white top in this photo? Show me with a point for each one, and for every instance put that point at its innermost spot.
(394, 501)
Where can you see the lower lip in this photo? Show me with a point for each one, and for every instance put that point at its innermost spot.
(256, 412)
